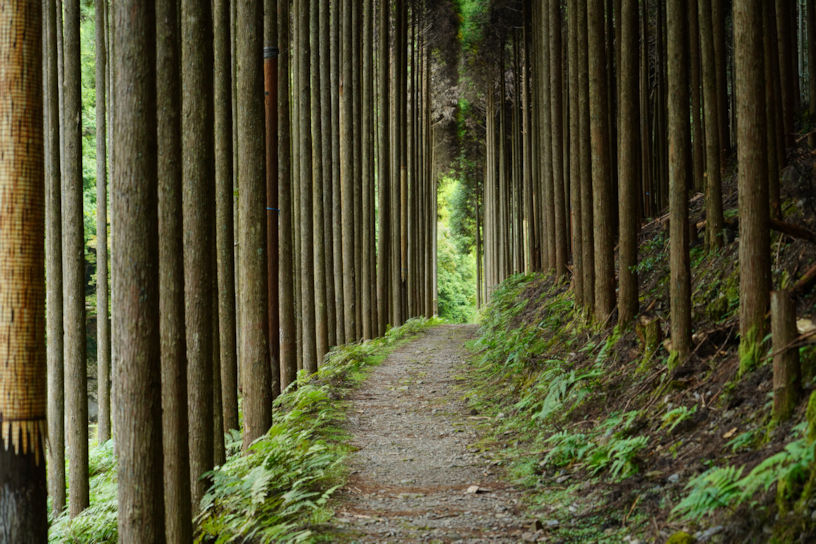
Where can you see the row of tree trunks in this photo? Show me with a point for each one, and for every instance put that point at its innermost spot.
(634, 105)
(348, 185)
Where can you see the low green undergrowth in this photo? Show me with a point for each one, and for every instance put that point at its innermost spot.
(278, 489)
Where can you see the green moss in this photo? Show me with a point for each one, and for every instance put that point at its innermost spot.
(810, 416)
(749, 351)
(681, 537)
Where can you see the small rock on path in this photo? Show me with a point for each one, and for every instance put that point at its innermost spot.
(413, 476)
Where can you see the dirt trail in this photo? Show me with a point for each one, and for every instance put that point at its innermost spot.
(413, 468)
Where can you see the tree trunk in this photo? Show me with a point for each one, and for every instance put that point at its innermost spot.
(714, 207)
(198, 203)
(136, 276)
(752, 181)
(225, 239)
(811, 41)
(679, 175)
(346, 170)
(718, 16)
(366, 158)
(585, 163)
(103, 345)
(252, 301)
(697, 139)
(337, 200)
(787, 76)
(54, 302)
(775, 138)
(307, 272)
(177, 504)
(383, 172)
(288, 351)
(628, 155)
(574, 155)
(319, 285)
(22, 277)
(602, 189)
(787, 387)
(556, 107)
(73, 268)
(326, 164)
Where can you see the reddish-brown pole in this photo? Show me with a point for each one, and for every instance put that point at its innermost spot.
(272, 212)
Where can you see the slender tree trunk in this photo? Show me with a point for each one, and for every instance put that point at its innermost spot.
(73, 268)
(198, 203)
(252, 301)
(574, 154)
(366, 158)
(787, 76)
(714, 208)
(556, 105)
(628, 154)
(602, 189)
(54, 302)
(288, 351)
(307, 249)
(319, 285)
(754, 247)
(384, 171)
(811, 41)
(22, 277)
(136, 276)
(679, 176)
(773, 119)
(326, 165)
(337, 200)
(177, 504)
(585, 163)
(547, 144)
(103, 345)
(697, 130)
(346, 169)
(718, 16)
(228, 371)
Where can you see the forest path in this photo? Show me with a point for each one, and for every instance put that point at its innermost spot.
(413, 470)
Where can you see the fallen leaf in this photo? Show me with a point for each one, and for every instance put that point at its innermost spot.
(730, 433)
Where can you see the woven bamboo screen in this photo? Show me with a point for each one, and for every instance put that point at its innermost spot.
(22, 230)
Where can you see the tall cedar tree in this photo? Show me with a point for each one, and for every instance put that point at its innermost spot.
(679, 176)
(224, 217)
(383, 168)
(628, 159)
(585, 163)
(177, 503)
(603, 191)
(714, 207)
(288, 351)
(22, 277)
(574, 155)
(198, 203)
(557, 109)
(307, 272)
(53, 255)
(73, 268)
(103, 328)
(320, 279)
(254, 351)
(752, 181)
(271, 54)
(326, 164)
(346, 168)
(136, 276)
(337, 201)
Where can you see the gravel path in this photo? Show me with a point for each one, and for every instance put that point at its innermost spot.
(415, 477)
